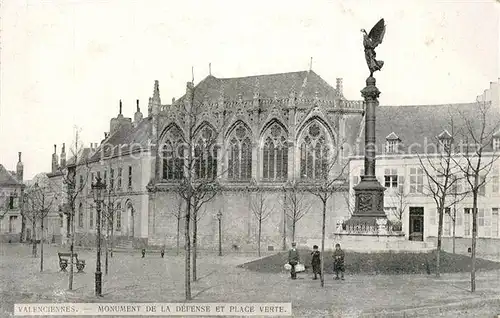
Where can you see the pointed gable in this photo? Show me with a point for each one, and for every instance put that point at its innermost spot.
(6, 178)
(392, 136)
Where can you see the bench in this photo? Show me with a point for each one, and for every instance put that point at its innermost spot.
(64, 261)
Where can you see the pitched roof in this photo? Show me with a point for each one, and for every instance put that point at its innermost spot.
(125, 138)
(419, 125)
(269, 86)
(6, 178)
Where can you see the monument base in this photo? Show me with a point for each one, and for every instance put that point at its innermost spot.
(386, 243)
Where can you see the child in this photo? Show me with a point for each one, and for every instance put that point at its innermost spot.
(316, 262)
(338, 262)
(143, 252)
(293, 260)
(162, 252)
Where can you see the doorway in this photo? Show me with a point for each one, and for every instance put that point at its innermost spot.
(416, 224)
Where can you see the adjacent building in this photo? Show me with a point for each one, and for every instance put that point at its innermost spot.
(11, 193)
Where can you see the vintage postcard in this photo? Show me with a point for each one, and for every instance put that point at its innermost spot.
(250, 158)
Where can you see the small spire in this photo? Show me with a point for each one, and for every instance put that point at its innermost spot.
(209, 68)
(311, 64)
(192, 74)
(138, 109)
(19, 153)
(120, 107)
(55, 149)
(156, 91)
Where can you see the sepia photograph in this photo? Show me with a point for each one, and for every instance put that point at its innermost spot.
(294, 158)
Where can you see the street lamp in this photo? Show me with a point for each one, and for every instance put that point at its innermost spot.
(98, 189)
(219, 217)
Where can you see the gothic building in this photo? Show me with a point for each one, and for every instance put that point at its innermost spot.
(272, 131)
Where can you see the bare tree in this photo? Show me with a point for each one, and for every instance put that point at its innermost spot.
(261, 209)
(326, 182)
(42, 196)
(75, 177)
(401, 200)
(458, 195)
(31, 215)
(197, 160)
(296, 207)
(197, 215)
(179, 215)
(477, 160)
(440, 170)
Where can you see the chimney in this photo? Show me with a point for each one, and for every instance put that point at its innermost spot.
(137, 115)
(54, 160)
(19, 169)
(63, 156)
(339, 88)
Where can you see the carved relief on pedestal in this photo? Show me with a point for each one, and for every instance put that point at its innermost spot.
(380, 202)
(365, 202)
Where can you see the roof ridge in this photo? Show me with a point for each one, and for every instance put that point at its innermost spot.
(260, 75)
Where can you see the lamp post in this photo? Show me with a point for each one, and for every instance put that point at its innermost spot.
(219, 217)
(98, 189)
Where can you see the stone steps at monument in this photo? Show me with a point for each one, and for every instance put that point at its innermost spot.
(375, 244)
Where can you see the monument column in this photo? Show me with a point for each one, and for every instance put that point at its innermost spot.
(369, 192)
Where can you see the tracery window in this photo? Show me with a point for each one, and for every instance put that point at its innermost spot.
(275, 154)
(206, 152)
(240, 154)
(173, 155)
(314, 153)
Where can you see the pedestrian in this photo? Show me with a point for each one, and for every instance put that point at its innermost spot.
(143, 252)
(162, 252)
(338, 262)
(293, 260)
(316, 262)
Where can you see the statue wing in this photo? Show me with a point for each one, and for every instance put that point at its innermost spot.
(377, 33)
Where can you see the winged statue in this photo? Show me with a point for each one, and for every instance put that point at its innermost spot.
(370, 42)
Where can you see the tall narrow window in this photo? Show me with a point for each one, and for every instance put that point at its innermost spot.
(416, 180)
(240, 154)
(467, 220)
(314, 153)
(275, 154)
(392, 143)
(391, 178)
(119, 179)
(105, 178)
(129, 184)
(447, 222)
(173, 155)
(111, 179)
(494, 222)
(206, 153)
(118, 216)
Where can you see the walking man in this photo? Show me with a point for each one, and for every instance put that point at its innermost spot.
(293, 260)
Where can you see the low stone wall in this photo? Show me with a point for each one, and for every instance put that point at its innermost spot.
(489, 247)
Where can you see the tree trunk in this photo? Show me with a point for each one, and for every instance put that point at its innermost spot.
(23, 228)
(195, 234)
(71, 248)
(323, 227)
(33, 236)
(187, 248)
(439, 238)
(474, 236)
(178, 233)
(293, 229)
(41, 247)
(259, 235)
(106, 249)
(454, 227)
(112, 234)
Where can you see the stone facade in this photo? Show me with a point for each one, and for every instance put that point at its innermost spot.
(273, 131)
(11, 194)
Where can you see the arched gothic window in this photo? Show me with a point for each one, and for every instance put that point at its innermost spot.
(275, 154)
(314, 153)
(173, 155)
(206, 152)
(240, 155)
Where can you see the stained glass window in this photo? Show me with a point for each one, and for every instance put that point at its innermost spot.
(240, 154)
(275, 154)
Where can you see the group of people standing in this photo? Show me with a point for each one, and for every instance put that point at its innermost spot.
(338, 261)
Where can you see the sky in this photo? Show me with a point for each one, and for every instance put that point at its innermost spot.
(67, 63)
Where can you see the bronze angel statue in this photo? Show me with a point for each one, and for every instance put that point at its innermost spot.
(370, 42)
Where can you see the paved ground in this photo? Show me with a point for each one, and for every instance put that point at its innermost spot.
(152, 279)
